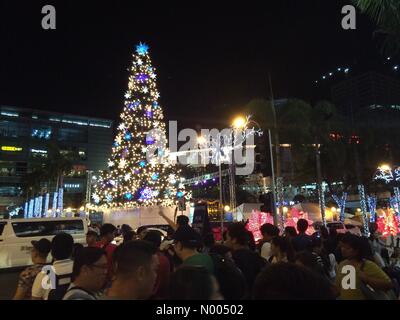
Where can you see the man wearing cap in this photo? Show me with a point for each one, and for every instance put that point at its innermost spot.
(186, 243)
(39, 253)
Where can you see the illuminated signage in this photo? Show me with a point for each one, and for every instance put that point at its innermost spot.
(11, 149)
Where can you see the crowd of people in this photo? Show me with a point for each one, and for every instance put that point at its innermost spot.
(188, 266)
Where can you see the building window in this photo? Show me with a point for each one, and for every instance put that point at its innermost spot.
(11, 129)
(72, 135)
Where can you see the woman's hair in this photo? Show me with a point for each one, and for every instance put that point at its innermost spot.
(284, 246)
(291, 231)
(129, 236)
(86, 257)
(191, 283)
(360, 244)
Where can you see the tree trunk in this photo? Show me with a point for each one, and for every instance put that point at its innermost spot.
(321, 195)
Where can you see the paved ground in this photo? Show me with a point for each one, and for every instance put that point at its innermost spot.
(8, 284)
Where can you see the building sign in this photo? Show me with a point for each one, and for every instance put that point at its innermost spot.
(11, 148)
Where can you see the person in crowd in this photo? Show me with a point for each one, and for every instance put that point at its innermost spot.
(317, 250)
(221, 250)
(77, 247)
(107, 235)
(186, 244)
(181, 221)
(194, 283)
(129, 236)
(135, 272)
(367, 272)
(251, 241)
(331, 243)
(286, 281)
(164, 268)
(268, 232)
(290, 233)
(40, 251)
(281, 250)
(302, 241)
(338, 251)
(61, 251)
(309, 260)
(208, 242)
(89, 274)
(91, 238)
(249, 262)
(141, 232)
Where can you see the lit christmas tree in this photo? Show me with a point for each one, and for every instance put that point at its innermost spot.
(134, 179)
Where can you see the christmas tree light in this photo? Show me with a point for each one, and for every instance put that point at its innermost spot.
(134, 179)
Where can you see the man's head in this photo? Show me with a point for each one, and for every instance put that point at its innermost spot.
(136, 267)
(236, 236)
(355, 247)
(40, 250)
(154, 237)
(62, 246)
(91, 238)
(286, 281)
(269, 231)
(186, 239)
(90, 269)
(107, 232)
(182, 221)
(141, 232)
(302, 225)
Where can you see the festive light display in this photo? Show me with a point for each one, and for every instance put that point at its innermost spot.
(54, 206)
(46, 204)
(371, 202)
(341, 204)
(60, 201)
(321, 201)
(256, 220)
(30, 210)
(133, 179)
(387, 223)
(26, 216)
(363, 204)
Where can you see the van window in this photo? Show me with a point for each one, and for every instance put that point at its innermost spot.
(47, 228)
(2, 225)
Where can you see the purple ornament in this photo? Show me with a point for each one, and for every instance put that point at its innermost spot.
(142, 77)
(150, 140)
(149, 114)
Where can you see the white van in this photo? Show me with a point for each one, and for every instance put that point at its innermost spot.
(16, 236)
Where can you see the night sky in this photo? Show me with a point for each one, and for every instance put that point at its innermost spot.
(211, 59)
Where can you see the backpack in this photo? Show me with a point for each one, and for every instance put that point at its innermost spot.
(62, 284)
(231, 281)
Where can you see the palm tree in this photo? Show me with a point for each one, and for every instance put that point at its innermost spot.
(386, 14)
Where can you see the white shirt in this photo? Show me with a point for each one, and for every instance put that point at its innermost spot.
(266, 250)
(61, 267)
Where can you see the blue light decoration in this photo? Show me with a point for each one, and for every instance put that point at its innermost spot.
(146, 194)
(30, 210)
(363, 204)
(155, 105)
(109, 198)
(149, 114)
(142, 164)
(46, 204)
(142, 49)
(179, 194)
(160, 152)
(128, 136)
(40, 203)
(371, 202)
(54, 207)
(396, 174)
(36, 211)
(26, 216)
(116, 144)
(60, 201)
(150, 140)
(154, 176)
(142, 77)
(128, 196)
(341, 204)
